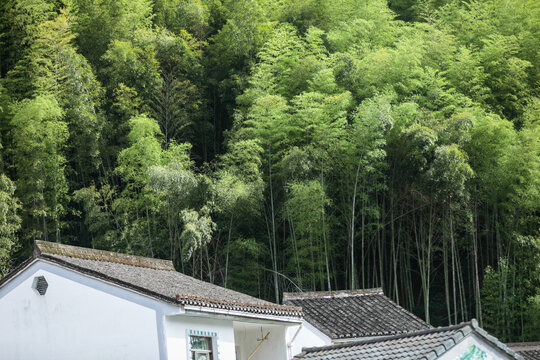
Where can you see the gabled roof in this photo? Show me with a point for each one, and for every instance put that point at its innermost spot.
(529, 350)
(152, 277)
(354, 313)
(426, 344)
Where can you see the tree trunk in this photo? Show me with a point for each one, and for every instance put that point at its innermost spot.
(353, 212)
(453, 255)
(274, 246)
(228, 250)
(323, 211)
(476, 275)
(446, 280)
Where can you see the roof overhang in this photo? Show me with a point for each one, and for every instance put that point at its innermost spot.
(239, 316)
(259, 310)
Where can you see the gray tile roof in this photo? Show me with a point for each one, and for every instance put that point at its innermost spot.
(529, 350)
(354, 313)
(426, 344)
(156, 278)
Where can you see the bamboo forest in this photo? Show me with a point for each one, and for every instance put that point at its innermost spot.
(285, 145)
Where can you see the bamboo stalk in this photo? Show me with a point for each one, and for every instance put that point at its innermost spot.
(258, 346)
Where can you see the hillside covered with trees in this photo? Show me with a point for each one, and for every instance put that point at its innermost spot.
(285, 145)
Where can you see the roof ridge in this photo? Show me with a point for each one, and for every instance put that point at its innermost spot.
(331, 294)
(394, 337)
(46, 248)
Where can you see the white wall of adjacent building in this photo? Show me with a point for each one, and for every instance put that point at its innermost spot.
(303, 336)
(77, 318)
(248, 336)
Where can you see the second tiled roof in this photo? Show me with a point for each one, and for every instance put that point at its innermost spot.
(529, 350)
(354, 313)
(427, 344)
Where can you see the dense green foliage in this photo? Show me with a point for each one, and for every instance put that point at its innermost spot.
(274, 146)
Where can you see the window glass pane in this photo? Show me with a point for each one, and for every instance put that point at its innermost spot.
(200, 343)
(202, 356)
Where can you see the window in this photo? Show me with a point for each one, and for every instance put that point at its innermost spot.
(201, 348)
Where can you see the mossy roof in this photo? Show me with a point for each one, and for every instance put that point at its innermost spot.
(153, 277)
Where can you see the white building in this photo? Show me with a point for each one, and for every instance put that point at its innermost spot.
(68, 302)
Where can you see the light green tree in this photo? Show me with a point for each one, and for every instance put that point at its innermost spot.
(40, 137)
(10, 223)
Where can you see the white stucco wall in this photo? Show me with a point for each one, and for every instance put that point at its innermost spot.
(179, 327)
(248, 335)
(457, 352)
(77, 318)
(308, 336)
